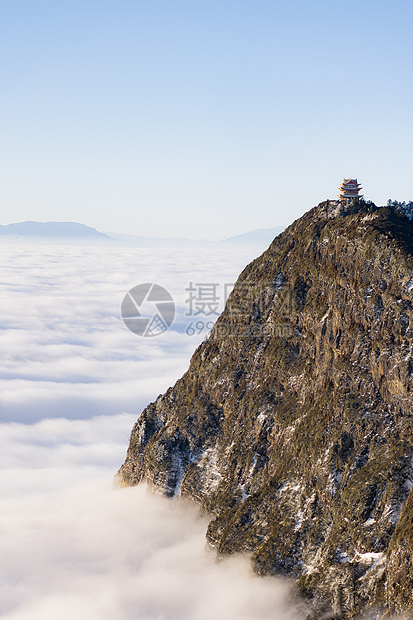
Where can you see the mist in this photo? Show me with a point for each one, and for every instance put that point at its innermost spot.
(74, 546)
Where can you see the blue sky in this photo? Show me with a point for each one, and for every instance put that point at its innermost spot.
(200, 119)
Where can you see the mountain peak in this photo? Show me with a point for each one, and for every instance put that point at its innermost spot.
(50, 230)
(336, 208)
(292, 426)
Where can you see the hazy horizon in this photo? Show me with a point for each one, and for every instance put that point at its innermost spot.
(16, 228)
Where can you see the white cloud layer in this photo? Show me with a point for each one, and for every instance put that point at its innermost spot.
(72, 546)
(65, 351)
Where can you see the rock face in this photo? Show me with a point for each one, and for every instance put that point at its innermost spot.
(293, 426)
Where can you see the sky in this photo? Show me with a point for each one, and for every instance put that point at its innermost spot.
(200, 119)
(73, 380)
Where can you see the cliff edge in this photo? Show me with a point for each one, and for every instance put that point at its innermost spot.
(293, 425)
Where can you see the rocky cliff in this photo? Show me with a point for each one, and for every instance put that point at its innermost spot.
(293, 425)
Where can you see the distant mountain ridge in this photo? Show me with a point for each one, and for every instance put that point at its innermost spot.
(261, 235)
(50, 229)
(253, 237)
(69, 231)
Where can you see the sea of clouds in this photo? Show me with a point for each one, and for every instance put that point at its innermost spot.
(73, 380)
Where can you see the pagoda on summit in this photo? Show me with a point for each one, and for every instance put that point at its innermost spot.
(349, 190)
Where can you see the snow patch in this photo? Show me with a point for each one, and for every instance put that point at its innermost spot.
(278, 283)
(261, 418)
(369, 558)
(209, 463)
(299, 518)
(244, 494)
(180, 470)
(288, 487)
(325, 316)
